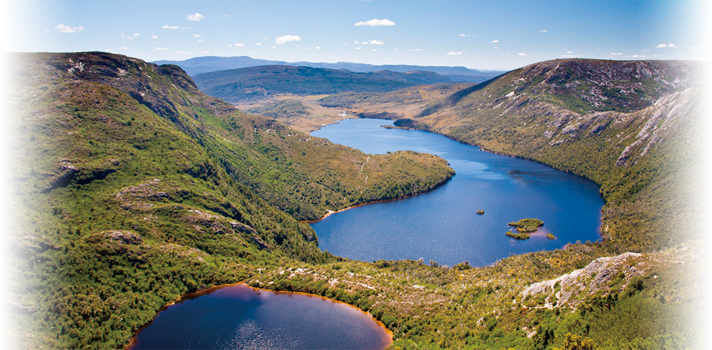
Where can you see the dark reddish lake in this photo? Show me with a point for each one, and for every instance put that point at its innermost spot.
(241, 317)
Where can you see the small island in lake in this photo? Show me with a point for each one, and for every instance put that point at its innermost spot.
(521, 236)
(550, 236)
(480, 212)
(527, 225)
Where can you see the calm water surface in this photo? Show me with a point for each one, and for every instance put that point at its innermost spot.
(442, 225)
(240, 317)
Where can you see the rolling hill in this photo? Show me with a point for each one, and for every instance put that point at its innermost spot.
(264, 81)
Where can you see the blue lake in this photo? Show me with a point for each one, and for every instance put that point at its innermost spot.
(442, 225)
(240, 317)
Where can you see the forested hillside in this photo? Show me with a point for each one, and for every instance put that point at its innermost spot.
(134, 187)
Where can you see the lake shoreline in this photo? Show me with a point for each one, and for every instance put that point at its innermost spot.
(193, 295)
(331, 212)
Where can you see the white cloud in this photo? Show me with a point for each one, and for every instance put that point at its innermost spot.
(196, 35)
(417, 49)
(266, 38)
(204, 51)
(317, 48)
(274, 47)
(462, 35)
(375, 23)
(358, 48)
(123, 48)
(375, 49)
(569, 52)
(521, 54)
(161, 49)
(239, 44)
(660, 46)
(455, 53)
(183, 52)
(170, 27)
(567, 56)
(134, 35)
(495, 41)
(67, 29)
(375, 42)
(286, 38)
(616, 53)
(634, 56)
(258, 44)
(195, 17)
(645, 50)
(543, 31)
(154, 37)
(702, 46)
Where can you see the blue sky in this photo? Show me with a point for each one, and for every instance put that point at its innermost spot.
(475, 34)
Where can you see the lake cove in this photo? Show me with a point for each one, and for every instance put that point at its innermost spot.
(443, 225)
(241, 317)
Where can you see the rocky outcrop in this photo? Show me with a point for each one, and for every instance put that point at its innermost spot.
(571, 288)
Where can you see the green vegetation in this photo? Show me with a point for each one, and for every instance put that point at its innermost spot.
(527, 225)
(550, 235)
(285, 109)
(259, 82)
(134, 188)
(519, 236)
(644, 165)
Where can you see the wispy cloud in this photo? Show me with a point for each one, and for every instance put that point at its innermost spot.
(67, 29)
(317, 48)
(569, 52)
(134, 35)
(123, 48)
(358, 48)
(197, 35)
(204, 51)
(702, 46)
(521, 54)
(237, 44)
(161, 49)
(543, 31)
(170, 27)
(286, 38)
(660, 46)
(183, 52)
(375, 50)
(495, 41)
(194, 17)
(370, 42)
(455, 53)
(417, 49)
(258, 44)
(375, 23)
(154, 37)
(616, 53)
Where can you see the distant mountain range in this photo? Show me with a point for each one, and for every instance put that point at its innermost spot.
(207, 64)
(263, 81)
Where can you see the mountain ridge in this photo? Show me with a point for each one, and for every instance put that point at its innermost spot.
(264, 81)
(197, 65)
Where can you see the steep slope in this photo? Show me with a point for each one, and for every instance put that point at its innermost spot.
(134, 187)
(261, 82)
(622, 124)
